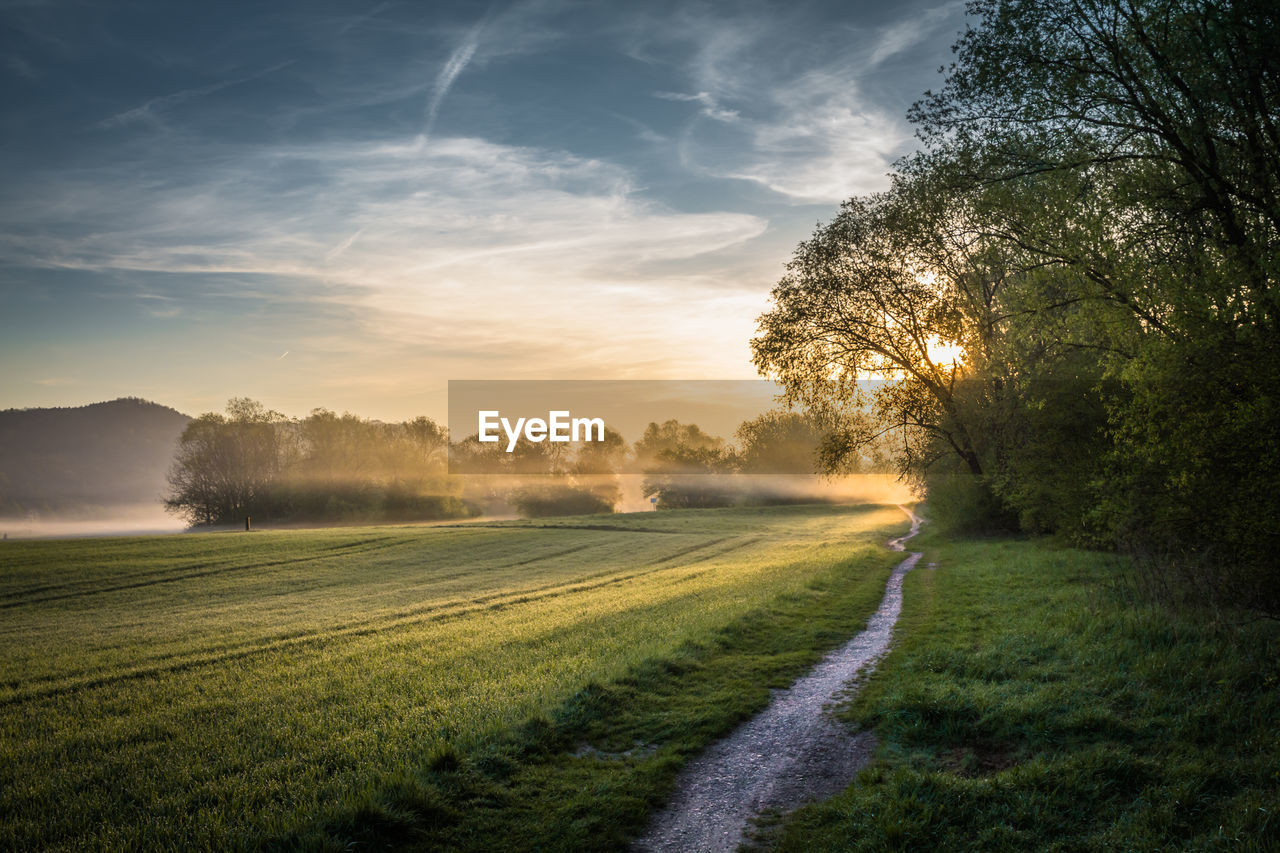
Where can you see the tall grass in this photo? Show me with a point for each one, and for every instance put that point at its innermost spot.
(1033, 702)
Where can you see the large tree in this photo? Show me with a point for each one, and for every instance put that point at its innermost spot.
(1149, 129)
(1096, 220)
(889, 306)
(226, 465)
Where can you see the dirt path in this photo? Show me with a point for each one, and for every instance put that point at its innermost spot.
(792, 752)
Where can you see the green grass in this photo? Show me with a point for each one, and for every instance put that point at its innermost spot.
(1033, 703)
(403, 684)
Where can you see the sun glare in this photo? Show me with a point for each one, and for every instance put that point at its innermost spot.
(944, 353)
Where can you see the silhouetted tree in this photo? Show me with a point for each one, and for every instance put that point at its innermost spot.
(227, 465)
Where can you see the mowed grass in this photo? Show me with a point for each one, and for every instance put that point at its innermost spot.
(1034, 702)
(228, 690)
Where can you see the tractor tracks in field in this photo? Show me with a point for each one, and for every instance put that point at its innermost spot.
(790, 753)
(42, 594)
(190, 571)
(684, 557)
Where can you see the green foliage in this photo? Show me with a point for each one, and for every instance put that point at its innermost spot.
(538, 501)
(961, 503)
(779, 443)
(1197, 480)
(1048, 431)
(1127, 151)
(1096, 222)
(602, 457)
(673, 440)
(227, 466)
(684, 477)
(856, 302)
(686, 468)
(326, 467)
(1031, 703)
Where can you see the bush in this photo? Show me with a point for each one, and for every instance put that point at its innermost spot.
(560, 499)
(964, 504)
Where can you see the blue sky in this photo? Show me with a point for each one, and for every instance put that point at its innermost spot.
(346, 204)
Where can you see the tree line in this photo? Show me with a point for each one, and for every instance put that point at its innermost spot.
(1092, 221)
(258, 463)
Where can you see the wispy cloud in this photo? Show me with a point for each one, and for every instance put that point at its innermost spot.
(901, 36)
(359, 20)
(158, 305)
(710, 108)
(823, 143)
(454, 66)
(502, 249)
(151, 109)
(642, 130)
(334, 253)
(791, 112)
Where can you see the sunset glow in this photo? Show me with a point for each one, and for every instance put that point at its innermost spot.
(396, 195)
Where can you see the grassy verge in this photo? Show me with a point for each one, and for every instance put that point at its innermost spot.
(1031, 703)
(405, 684)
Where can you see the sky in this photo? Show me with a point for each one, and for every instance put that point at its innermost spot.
(347, 204)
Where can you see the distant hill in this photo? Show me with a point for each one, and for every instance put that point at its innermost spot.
(78, 460)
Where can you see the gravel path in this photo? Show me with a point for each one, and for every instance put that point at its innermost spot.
(790, 753)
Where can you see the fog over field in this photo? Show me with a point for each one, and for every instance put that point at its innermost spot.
(852, 489)
(151, 518)
(117, 520)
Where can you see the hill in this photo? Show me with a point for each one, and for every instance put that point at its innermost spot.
(78, 460)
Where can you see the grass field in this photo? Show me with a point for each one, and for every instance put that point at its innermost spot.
(304, 688)
(1034, 702)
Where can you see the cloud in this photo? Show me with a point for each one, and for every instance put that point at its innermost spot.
(527, 258)
(901, 36)
(710, 108)
(457, 61)
(454, 201)
(361, 19)
(823, 143)
(151, 109)
(642, 130)
(816, 143)
(790, 106)
(337, 250)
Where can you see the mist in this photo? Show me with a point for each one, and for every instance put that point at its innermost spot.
(787, 488)
(112, 520)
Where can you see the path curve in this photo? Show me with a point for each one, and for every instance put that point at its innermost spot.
(790, 753)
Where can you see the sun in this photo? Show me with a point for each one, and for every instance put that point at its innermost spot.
(945, 353)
